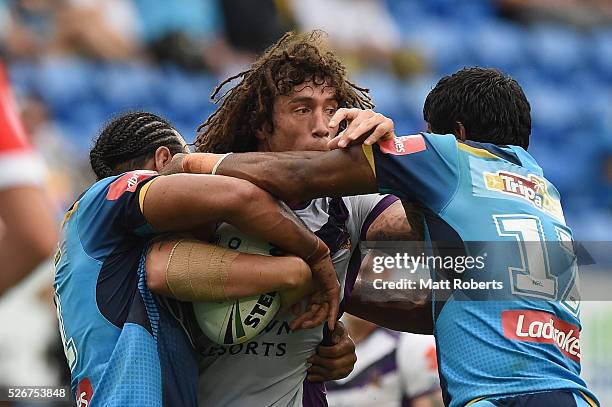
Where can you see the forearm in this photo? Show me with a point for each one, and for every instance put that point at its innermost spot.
(247, 275)
(270, 220)
(303, 175)
(401, 310)
(402, 316)
(290, 176)
(254, 274)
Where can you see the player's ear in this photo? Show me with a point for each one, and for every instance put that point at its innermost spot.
(460, 132)
(162, 157)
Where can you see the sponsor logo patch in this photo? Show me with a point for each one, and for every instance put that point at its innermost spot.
(403, 145)
(84, 393)
(542, 327)
(127, 183)
(531, 188)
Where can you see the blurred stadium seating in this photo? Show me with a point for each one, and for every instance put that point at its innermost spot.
(566, 73)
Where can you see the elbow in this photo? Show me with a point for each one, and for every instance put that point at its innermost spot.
(240, 197)
(299, 276)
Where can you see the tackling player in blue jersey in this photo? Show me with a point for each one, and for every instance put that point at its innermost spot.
(475, 182)
(124, 346)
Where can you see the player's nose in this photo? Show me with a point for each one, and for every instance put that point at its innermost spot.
(320, 126)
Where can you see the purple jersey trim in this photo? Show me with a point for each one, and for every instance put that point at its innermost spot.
(355, 260)
(379, 368)
(375, 213)
(314, 394)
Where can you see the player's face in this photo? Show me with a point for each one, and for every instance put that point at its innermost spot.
(301, 119)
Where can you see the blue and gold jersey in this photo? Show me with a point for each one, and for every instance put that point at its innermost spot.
(123, 348)
(522, 333)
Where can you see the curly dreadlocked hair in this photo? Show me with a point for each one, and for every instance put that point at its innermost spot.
(247, 107)
(129, 140)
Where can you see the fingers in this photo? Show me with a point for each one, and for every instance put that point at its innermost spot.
(296, 309)
(343, 114)
(315, 378)
(333, 143)
(324, 369)
(314, 316)
(318, 317)
(339, 333)
(333, 362)
(356, 127)
(323, 271)
(334, 306)
(382, 131)
(361, 124)
(345, 346)
(306, 316)
(350, 115)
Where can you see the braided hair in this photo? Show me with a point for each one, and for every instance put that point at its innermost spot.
(247, 107)
(129, 140)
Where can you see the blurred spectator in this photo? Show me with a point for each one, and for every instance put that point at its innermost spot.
(28, 28)
(583, 13)
(251, 26)
(181, 31)
(363, 26)
(100, 30)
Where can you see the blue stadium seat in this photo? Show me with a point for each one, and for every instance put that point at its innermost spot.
(441, 41)
(406, 13)
(557, 50)
(464, 10)
(80, 128)
(553, 108)
(601, 46)
(23, 76)
(496, 44)
(62, 83)
(122, 86)
(188, 96)
(413, 94)
(592, 224)
(384, 89)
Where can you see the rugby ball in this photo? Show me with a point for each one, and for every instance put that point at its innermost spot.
(237, 321)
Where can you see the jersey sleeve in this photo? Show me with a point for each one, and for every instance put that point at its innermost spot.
(126, 196)
(111, 211)
(417, 365)
(364, 209)
(421, 168)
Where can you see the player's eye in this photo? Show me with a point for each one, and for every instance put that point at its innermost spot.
(302, 110)
(330, 111)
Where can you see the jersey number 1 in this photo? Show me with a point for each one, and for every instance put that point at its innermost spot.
(533, 277)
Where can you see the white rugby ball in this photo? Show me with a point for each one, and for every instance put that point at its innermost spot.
(237, 321)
